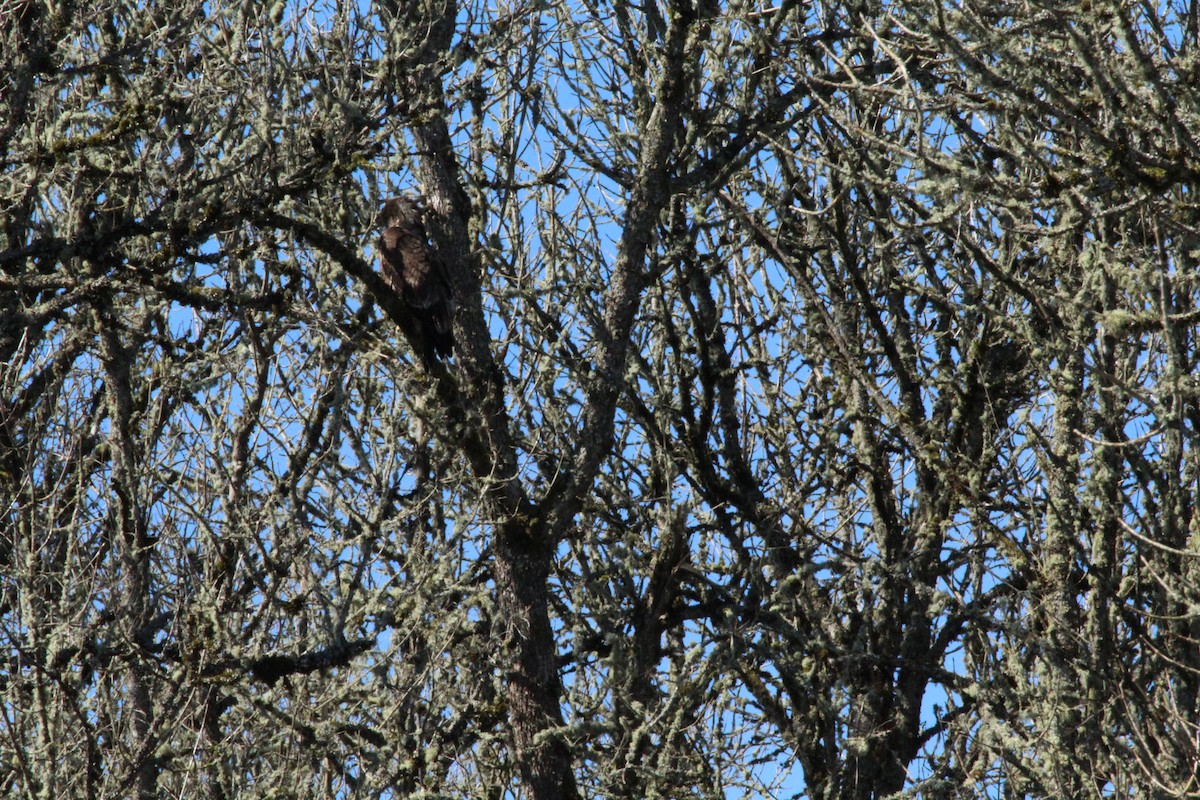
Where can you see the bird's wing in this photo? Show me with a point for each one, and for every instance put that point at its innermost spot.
(417, 275)
(391, 261)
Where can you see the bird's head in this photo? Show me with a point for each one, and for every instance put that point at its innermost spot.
(403, 211)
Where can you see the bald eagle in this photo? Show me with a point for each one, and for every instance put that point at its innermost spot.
(413, 270)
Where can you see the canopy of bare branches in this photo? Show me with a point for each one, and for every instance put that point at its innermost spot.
(822, 419)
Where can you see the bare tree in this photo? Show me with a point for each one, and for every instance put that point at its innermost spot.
(820, 420)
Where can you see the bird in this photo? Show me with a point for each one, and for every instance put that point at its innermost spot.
(413, 269)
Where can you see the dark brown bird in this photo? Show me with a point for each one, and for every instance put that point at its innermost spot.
(413, 270)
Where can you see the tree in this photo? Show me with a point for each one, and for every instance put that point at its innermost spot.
(821, 417)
